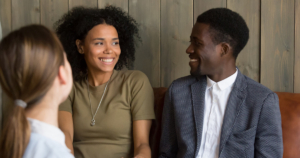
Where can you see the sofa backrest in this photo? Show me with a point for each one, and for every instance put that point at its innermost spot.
(290, 117)
(155, 133)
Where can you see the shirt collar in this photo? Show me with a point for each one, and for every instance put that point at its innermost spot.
(210, 82)
(47, 130)
(227, 82)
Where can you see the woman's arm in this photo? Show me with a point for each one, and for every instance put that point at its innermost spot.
(65, 123)
(141, 130)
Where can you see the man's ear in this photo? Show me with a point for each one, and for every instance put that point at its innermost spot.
(79, 45)
(225, 48)
(62, 75)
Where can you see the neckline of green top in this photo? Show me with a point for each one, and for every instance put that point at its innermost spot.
(102, 86)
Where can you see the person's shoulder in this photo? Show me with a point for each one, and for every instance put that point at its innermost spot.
(257, 90)
(255, 86)
(182, 85)
(41, 146)
(132, 75)
(185, 81)
(80, 84)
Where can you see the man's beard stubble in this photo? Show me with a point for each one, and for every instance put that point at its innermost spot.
(197, 73)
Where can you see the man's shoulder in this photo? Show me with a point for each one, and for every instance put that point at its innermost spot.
(256, 89)
(183, 82)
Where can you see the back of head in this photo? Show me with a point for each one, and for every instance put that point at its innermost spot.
(29, 62)
(226, 26)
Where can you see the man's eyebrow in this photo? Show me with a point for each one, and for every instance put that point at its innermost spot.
(195, 38)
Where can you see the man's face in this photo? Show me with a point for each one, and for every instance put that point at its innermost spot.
(205, 56)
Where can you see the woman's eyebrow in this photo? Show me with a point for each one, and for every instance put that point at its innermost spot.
(104, 39)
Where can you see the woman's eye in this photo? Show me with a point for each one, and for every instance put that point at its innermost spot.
(115, 43)
(99, 43)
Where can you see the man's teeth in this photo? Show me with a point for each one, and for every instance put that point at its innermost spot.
(107, 60)
(193, 60)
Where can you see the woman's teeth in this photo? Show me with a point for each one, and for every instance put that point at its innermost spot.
(193, 60)
(107, 60)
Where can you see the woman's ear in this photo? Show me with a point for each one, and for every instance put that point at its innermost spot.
(79, 46)
(62, 75)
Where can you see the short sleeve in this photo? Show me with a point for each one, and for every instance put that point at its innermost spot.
(68, 103)
(142, 103)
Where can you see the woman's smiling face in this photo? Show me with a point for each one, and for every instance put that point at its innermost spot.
(101, 48)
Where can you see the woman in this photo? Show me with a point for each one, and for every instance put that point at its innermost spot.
(35, 73)
(108, 112)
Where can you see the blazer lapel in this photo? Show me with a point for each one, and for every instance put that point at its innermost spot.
(236, 98)
(198, 99)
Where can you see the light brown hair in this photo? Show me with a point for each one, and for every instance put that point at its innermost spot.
(29, 62)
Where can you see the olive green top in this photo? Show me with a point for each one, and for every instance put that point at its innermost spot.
(129, 97)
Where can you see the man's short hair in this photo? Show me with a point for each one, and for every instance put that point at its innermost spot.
(226, 26)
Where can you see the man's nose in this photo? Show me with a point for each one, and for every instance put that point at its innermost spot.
(190, 49)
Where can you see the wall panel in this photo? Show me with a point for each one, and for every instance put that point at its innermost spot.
(277, 44)
(25, 12)
(119, 3)
(5, 16)
(176, 27)
(5, 19)
(85, 3)
(201, 6)
(148, 52)
(297, 47)
(52, 10)
(249, 58)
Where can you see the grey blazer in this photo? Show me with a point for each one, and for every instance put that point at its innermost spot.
(251, 126)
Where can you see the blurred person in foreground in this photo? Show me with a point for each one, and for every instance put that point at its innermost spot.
(36, 75)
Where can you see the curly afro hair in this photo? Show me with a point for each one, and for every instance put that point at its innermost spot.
(226, 26)
(79, 21)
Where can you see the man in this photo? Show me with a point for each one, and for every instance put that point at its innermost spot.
(217, 111)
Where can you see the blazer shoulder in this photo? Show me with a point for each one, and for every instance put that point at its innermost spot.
(185, 81)
(256, 89)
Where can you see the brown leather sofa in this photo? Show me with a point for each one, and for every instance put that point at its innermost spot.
(290, 115)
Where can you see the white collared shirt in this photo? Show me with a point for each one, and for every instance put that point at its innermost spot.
(46, 141)
(216, 98)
